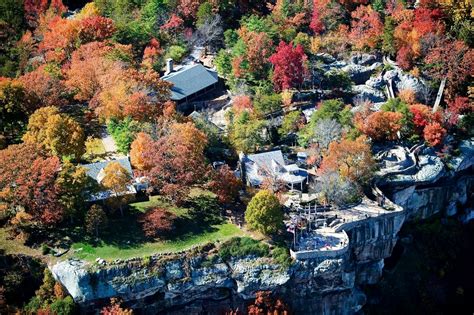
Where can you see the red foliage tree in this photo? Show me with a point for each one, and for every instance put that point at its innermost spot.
(366, 27)
(415, 26)
(434, 134)
(289, 66)
(174, 23)
(115, 308)
(452, 60)
(241, 103)
(459, 106)
(48, 87)
(177, 161)
(157, 222)
(28, 180)
(422, 116)
(225, 184)
(316, 24)
(265, 304)
(60, 38)
(95, 28)
(151, 53)
(188, 8)
(381, 125)
(35, 8)
(258, 46)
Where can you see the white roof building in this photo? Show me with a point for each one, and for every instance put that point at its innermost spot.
(257, 167)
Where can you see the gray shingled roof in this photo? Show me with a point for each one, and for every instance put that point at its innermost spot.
(189, 80)
(94, 169)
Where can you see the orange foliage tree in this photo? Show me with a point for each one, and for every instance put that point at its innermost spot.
(28, 180)
(46, 85)
(265, 304)
(434, 134)
(380, 125)
(366, 27)
(177, 161)
(351, 158)
(139, 146)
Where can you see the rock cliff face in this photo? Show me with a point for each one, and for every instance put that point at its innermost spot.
(317, 286)
(190, 283)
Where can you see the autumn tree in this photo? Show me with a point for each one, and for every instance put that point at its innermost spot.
(366, 27)
(73, 184)
(115, 308)
(116, 179)
(434, 134)
(266, 304)
(177, 161)
(459, 106)
(138, 148)
(413, 28)
(351, 158)
(96, 219)
(157, 222)
(381, 125)
(46, 84)
(56, 132)
(16, 104)
(28, 181)
(264, 213)
(242, 103)
(225, 184)
(289, 64)
(452, 60)
(95, 28)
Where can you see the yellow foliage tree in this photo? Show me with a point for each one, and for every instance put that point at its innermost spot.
(58, 133)
(116, 178)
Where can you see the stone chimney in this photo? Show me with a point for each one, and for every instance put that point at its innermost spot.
(169, 66)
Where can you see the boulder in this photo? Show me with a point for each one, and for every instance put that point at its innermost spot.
(364, 59)
(325, 57)
(375, 82)
(360, 74)
(364, 92)
(405, 81)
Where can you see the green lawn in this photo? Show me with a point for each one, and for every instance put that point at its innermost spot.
(110, 252)
(124, 237)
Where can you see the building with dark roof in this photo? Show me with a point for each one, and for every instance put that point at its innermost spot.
(190, 81)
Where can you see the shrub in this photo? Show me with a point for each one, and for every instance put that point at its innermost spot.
(63, 306)
(176, 53)
(281, 255)
(157, 222)
(45, 250)
(243, 246)
(264, 213)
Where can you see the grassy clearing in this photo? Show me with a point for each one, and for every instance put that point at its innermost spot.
(220, 232)
(14, 246)
(124, 237)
